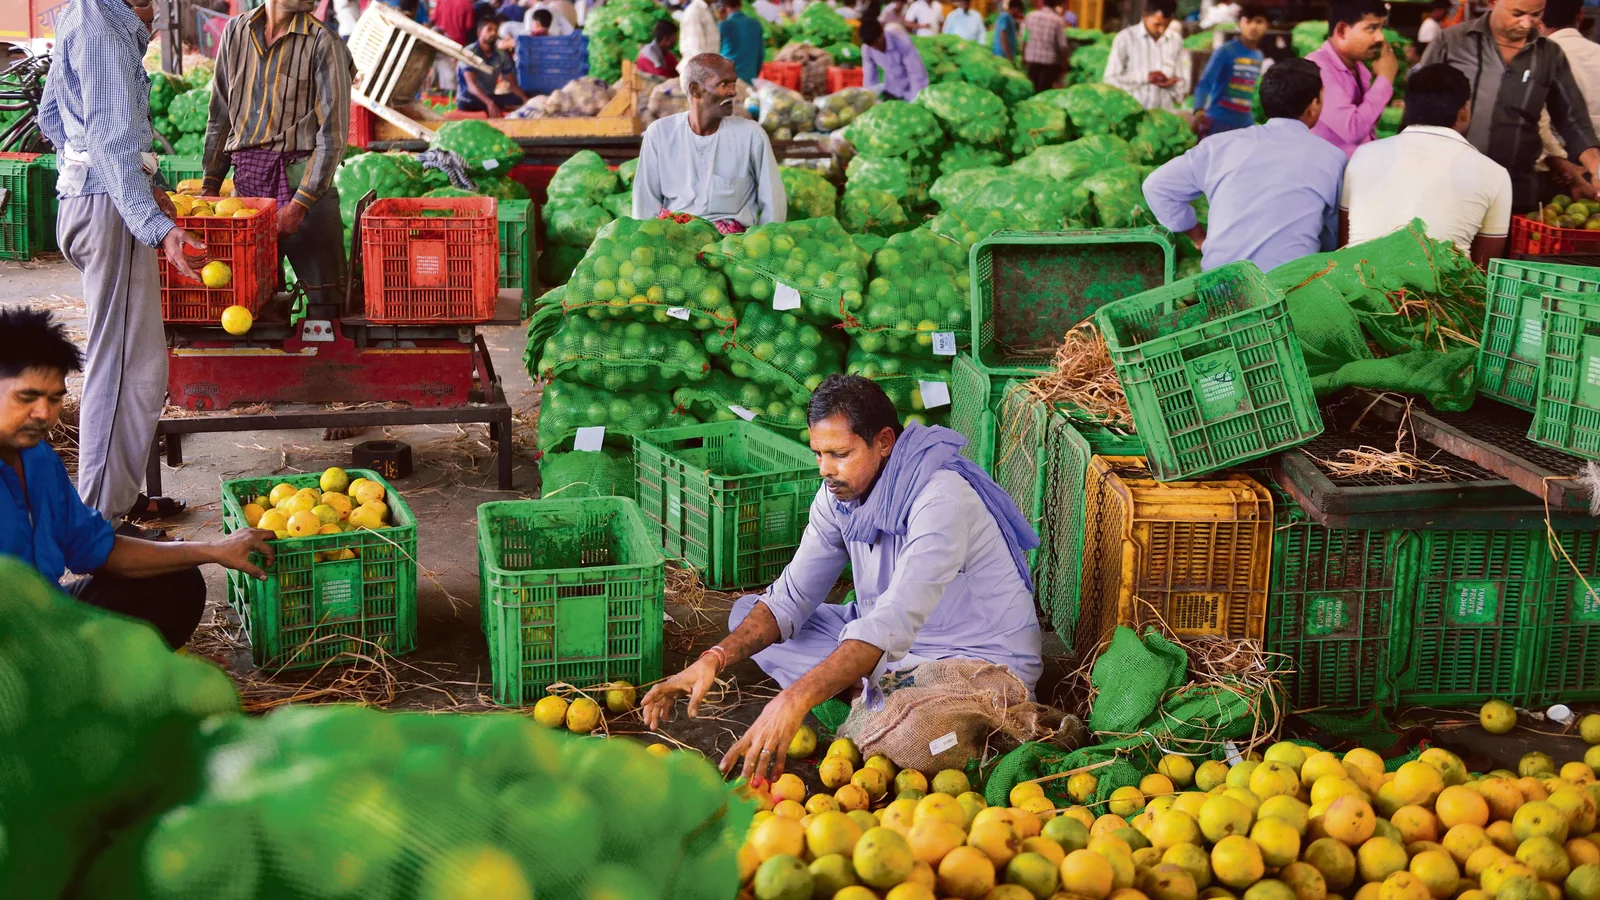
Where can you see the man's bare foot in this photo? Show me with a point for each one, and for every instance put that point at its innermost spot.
(343, 434)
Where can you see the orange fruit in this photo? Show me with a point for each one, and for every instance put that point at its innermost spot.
(1085, 872)
(1456, 805)
(1350, 819)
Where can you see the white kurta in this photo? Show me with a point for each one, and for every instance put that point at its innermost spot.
(729, 174)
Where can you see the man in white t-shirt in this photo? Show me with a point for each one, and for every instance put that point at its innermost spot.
(1430, 172)
(924, 18)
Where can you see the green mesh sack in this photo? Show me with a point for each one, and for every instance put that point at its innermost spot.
(190, 110)
(626, 170)
(190, 145)
(918, 288)
(1118, 197)
(779, 349)
(603, 473)
(954, 188)
(844, 54)
(615, 31)
(500, 187)
(901, 377)
(810, 195)
(556, 262)
(567, 406)
(97, 721)
(1036, 123)
(872, 211)
(445, 193)
(1161, 136)
(967, 226)
(815, 257)
(648, 269)
(961, 157)
(1130, 677)
(1088, 64)
(164, 89)
(868, 244)
(619, 205)
(1121, 764)
(544, 319)
(968, 113)
(376, 172)
(1031, 204)
(486, 149)
(899, 177)
(576, 225)
(895, 128)
(621, 356)
(1308, 36)
(820, 25)
(1097, 108)
(584, 179)
(722, 398)
(1078, 158)
(840, 108)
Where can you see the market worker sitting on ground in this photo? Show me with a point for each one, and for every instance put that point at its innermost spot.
(1273, 189)
(889, 61)
(1428, 171)
(743, 41)
(44, 524)
(1226, 92)
(655, 58)
(477, 92)
(1148, 59)
(708, 162)
(937, 551)
(1354, 97)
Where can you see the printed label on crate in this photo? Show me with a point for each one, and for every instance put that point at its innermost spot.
(934, 394)
(1530, 334)
(777, 520)
(785, 297)
(1326, 615)
(1194, 612)
(678, 312)
(1217, 380)
(338, 590)
(1589, 389)
(1473, 602)
(944, 343)
(589, 438)
(427, 263)
(1586, 606)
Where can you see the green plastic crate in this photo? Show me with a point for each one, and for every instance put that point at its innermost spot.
(1330, 608)
(1104, 441)
(731, 499)
(1213, 371)
(974, 397)
(1067, 457)
(309, 611)
(18, 218)
(45, 202)
(516, 245)
(1513, 328)
(1019, 464)
(180, 168)
(574, 591)
(1566, 667)
(1030, 288)
(1566, 415)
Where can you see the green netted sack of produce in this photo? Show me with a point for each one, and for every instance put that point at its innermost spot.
(616, 30)
(580, 474)
(845, 54)
(413, 169)
(556, 262)
(955, 187)
(961, 157)
(810, 195)
(648, 269)
(871, 211)
(1088, 64)
(625, 171)
(190, 110)
(164, 89)
(900, 177)
(315, 802)
(1031, 204)
(545, 318)
(868, 244)
(486, 149)
(895, 128)
(567, 406)
(918, 288)
(814, 256)
(968, 113)
(784, 113)
(1035, 124)
(624, 356)
(583, 178)
(1161, 136)
(1308, 36)
(189, 145)
(723, 398)
(840, 108)
(902, 378)
(780, 349)
(1076, 159)
(820, 25)
(377, 172)
(576, 226)
(166, 129)
(1118, 197)
(97, 719)
(499, 187)
(966, 226)
(1097, 108)
(620, 205)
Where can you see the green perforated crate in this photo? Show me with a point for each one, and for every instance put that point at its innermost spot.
(1019, 462)
(1566, 667)
(1030, 288)
(1067, 457)
(311, 608)
(516, 245)
(1213, 371)
(177, 169)
(1566, 413)
(974, 397)
(574, 591)
(18, 218)
(45, 203)
(730, 499)
(1513, 327)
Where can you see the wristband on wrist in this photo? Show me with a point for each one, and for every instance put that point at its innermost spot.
(719, 654)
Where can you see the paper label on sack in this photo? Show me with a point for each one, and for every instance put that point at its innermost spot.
(941, 743)
(490, 165)
(1234, 756)
(743, 413)
(785, 297)
(934, 394)
(678, 312)
(944, 343)
(589, 438)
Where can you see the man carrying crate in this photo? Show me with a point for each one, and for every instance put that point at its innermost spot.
(943, 593)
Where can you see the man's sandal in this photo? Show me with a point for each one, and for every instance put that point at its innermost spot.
(149, 509)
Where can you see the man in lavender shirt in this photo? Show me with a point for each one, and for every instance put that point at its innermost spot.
(1273, 188)
(1353, 98)
(890, 62)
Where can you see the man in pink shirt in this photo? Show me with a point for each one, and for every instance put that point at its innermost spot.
(1352, 97)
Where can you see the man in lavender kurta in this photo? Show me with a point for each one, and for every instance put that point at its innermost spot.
(1353, 97)
(938, 557)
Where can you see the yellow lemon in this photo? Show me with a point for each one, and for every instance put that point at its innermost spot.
(340, 503)
(882, 858)
(217, 274)
(228, 206)
(275, 521)
(803, 744)
(550, 711)
(621, 696)
(235, 319)
(303, 523)
(1236, 861)
(1081, 787)
(181, 203)
(366, 492)
(326, 514)
(252, 514)
(245, 213)
(842, 747)
(366, 517)
(333, 479)
(1177, 768)
(1497, 717)
(835, 771)
(280, 492)
(583, 716)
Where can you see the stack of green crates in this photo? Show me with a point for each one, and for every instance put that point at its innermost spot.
(516, 247)
(1513, 328)
(19, 219)
(312, 609)
(1566, 414)
(730, 499)
(571, 591)
(177, 169)
(45, 202)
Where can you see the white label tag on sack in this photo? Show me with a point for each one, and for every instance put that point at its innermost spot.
(944, 343)
(785, 297)
(743, 413)
(934, 394)
(589, 438)
(941, 743)
(1234, 756)
(678, 312)
(490, 165)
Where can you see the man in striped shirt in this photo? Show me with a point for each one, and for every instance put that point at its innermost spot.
(1046, 45)
(1148, 60)
(280, 112)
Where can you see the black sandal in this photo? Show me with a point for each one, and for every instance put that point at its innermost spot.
(165, 508)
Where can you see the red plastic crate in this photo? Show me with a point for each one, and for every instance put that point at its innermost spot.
(361, 125)
(841, 77)
(784, 73)
(422, 268)
(1531, 237)
(250, 248)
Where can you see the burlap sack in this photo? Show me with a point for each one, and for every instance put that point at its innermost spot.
(814, 64)
(938, 715)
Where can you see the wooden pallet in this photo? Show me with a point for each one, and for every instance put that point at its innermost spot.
(393, 56)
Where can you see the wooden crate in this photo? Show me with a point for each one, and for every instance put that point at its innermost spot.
(393, 56)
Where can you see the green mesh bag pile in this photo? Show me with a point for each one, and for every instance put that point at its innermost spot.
(567, 406)
(1097, 108)
(1036, 123)
(866, 210)
(967, 112)
(903, 380)
(810, 195)
(840, 108)
(485, 149)
(1161, 136)
(820, 25)
(960, 157)
(320, 802)
(624, 356)
(779, 349)
(1088, 64)
(189, 111)
(607, 472)
(1078, 158)
(616, 30)
(815, 257)
(905, 179)
(381, 173)
(648, 270)
(722, 398)
(575, 212)
(96, 723)
(896, 128)
(918, 288)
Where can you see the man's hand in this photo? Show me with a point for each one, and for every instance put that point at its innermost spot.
(1201, 123)
(290, 215)
(165, 202)
(179, 245)
(1158, 78)
(694, 680)
(766, 745)
(233, 552)
(1198, 235)
(1387, 65)
(493, 110)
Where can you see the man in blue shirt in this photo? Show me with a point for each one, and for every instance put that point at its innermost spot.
(1227, 89)
(742, 40)
(1006, 44)
(45, 524)
(1273, 188)
(477, 92)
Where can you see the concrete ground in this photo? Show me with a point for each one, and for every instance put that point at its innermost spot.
(454, 474)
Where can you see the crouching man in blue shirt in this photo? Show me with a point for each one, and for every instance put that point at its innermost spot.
(44, 523)
(937, 551)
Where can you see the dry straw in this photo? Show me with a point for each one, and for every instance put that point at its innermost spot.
(1084, 378)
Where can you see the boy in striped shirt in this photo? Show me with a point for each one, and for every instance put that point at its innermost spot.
(1225, 95)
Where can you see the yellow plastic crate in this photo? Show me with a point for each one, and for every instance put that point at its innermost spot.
(1195, 554)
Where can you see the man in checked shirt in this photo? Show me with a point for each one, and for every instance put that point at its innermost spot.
(280, 112)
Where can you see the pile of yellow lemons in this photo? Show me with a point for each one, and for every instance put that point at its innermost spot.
(1294, 823)
(582, 715)
(194, 187)
(188, 206)
(336, 506)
